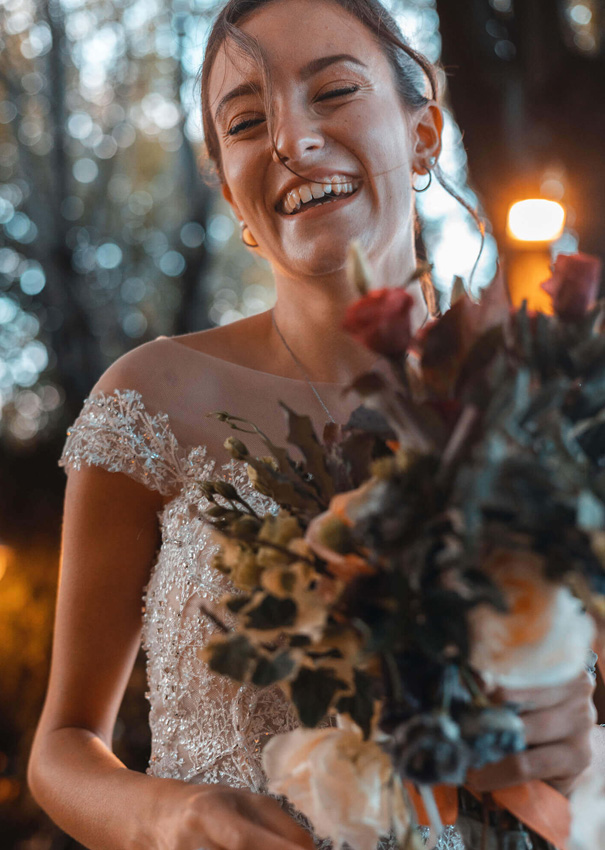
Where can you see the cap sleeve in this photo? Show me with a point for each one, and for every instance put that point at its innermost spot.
(116, 432)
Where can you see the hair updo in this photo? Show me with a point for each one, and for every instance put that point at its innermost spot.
(408, 67)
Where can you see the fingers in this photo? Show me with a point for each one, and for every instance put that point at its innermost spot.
(559, 763)
(575, 717)
(535, 699)
(233, 819)
(558, 723)
(276, 819)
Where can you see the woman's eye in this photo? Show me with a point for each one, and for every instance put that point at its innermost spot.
(251, 122)
(243, 125)
(338, 92)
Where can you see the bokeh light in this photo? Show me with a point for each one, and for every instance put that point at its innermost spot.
(536, 220)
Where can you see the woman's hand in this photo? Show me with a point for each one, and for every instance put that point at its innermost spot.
(558, 725)
(217, 817)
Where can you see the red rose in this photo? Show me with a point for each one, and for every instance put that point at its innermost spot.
(574, 285)
(381, 320)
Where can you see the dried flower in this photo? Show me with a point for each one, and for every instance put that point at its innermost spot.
(236, 448)
(328, 535)
(574, 285)
(338, 780)
(492, 732)
(381, 321)
(429, 749)
(543, 638)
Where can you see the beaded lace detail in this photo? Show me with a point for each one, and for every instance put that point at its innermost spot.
(205, 728)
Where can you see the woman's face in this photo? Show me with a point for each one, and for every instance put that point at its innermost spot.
(338, 119)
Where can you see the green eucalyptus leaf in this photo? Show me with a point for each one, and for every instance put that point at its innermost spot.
(271, 670)
(233, 656)
(361, 704)
(272, 613)
(312, 693)
(591, 512)
(236, 603)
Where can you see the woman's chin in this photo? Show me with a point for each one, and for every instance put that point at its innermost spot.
(326, 255)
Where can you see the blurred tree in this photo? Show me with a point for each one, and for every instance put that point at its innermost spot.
(102, 205)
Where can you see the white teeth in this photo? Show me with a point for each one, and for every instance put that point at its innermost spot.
(309, 191)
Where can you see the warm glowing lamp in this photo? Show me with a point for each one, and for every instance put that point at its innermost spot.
(532, 226)
(536, 220)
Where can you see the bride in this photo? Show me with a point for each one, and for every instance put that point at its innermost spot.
(315, 120)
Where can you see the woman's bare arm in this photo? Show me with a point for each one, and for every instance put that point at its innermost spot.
(110, 537)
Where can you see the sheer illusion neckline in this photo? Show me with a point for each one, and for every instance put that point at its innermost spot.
(256, 371)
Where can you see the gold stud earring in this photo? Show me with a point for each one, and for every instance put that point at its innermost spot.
(242, 227)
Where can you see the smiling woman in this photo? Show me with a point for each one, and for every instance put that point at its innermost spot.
(317, 118)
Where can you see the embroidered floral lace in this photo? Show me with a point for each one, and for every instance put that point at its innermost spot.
(205, 728)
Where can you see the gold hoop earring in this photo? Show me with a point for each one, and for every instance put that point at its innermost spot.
(243, 226)
(430, 173)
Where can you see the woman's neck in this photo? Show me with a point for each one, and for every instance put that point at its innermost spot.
(310, 320)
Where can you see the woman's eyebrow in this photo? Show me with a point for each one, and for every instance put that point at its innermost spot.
(312, 67)
(316, 65)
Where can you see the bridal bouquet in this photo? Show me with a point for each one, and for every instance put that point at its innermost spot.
(448, 541)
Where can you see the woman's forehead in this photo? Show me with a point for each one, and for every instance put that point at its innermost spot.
(279, 27)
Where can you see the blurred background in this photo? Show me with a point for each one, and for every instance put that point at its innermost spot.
(111, 236)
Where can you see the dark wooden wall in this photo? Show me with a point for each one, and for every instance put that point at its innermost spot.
(543, 106)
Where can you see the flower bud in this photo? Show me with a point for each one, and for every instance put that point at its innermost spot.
(226, 490)
(381, 321)
(574, 285)
(236, 448)
(207, 488)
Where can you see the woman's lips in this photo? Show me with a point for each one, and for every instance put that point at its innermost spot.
(319, 209)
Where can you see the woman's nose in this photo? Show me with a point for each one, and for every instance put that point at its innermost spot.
(296, 136)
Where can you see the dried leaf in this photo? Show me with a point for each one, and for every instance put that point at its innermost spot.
(312, 693)
(302, 435)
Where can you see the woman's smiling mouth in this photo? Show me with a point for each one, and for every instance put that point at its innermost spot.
(317, 188)
(325, 203)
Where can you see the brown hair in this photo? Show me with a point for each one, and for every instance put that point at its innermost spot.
(407, 65)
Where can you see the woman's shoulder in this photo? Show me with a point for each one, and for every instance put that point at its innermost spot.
(141, 368)
(235, 343)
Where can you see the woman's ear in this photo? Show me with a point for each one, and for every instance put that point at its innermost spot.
(428, 131)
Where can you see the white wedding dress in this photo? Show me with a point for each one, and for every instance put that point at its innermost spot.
(205, 728)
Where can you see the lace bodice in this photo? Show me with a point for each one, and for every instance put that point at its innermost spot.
(205, 728)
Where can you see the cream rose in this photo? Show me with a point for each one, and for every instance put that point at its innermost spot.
(542, 640)
(342, 783)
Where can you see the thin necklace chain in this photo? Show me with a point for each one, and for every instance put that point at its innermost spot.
(301, 367)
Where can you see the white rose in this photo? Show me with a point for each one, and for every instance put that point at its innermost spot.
(342, 783)
(544, 638)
